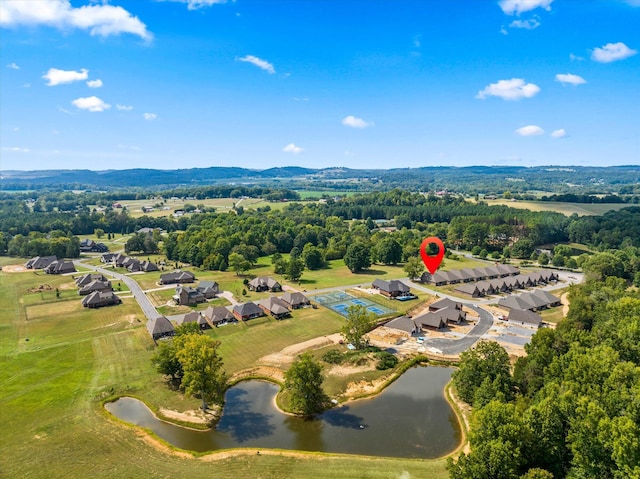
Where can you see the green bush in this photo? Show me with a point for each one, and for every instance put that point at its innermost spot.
(386, 360)
(333, 356)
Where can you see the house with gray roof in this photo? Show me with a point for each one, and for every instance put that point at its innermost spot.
(60, 267)
(40, 262)
(209, 289)
(219, 315)
(177, 276)
(391, 289)
(264, 283)
(524, 318)
(403, 323)
(445, 303)
(98, 299)
(193, 317)
(95, 285)
(470, 289)
(275, 307)
(514, 302)
(550, 299)
(160, 327)
(87, 278)
(429, 321)
(295, 300)
(188, 296)
(247, 311)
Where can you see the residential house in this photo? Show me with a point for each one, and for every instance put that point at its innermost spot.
(295, 300)
(219, 315)
(450, 315)
(98, 299)
(439, 278)
(95, 285)
(445, 303)
(470, 289)
(264, 283)
(188, 296)
(275, 307)
(246, 311)
(90, 246)
(209, 289)
(177, 277)
(499, 285)
(404, 324)
(429, 321)
(144, 266)
(160, 327)
(507, 270)
(40, 262)
(391, 289)
(87, 278)
(60, 267)
(193, 317)
(514, 303)
(132, 265)
(550, 299)
(524, 318)
(485, 287)
(107, 257)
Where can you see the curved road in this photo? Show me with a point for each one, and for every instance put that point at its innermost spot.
(148, 309)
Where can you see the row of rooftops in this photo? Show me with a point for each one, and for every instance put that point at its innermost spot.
(97, 291)
(132, 264)
(506, 284)
(469, 274)
(532, 301)
(51, 265)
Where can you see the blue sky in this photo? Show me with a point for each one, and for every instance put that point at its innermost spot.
(364, 84)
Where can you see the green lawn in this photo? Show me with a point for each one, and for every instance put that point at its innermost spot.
(581, 209)
(52, 421)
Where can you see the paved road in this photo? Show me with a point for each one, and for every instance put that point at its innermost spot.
(148, 309)
(456, 346)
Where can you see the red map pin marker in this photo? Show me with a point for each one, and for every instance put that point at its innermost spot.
(432, 262)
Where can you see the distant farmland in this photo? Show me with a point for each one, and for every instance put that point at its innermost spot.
(581, 209)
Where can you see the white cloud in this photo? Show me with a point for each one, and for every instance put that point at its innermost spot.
(516, 7)
(259, 62)
(612, 52)
(102, 19)
(575, 58)
(503, 30)
(149, 116)
(94, 83)
(530, 130)
(58, 77)
(13, 66)
(355, 122)
(561, 133)
(16, 149)
(513, 89)
(91, 103)
(123, 107)
(529, 24)
(570, 79)
(292, 148)
(197, 4)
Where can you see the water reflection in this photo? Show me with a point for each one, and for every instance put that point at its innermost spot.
(411, 418)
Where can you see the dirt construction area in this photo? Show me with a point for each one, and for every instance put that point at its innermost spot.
(15, 268)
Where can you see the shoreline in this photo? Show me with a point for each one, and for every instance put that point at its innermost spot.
(157, 442)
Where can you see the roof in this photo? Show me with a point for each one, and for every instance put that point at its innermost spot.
(267, 281)
(100, 297)
(547, 296)
(87, 278)
(274, 305)
(445, 303)
(403, 323)
(468, 288)
(247, 309)
(177, 276)
(450, 314)
(190, 317)
(295, 298)
(391, 286)
(430, 319)
(40, 262)
(217, 313)
(514, 302)
(159, 325)
(524, 316)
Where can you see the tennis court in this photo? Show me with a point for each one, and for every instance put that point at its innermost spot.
(340, 302)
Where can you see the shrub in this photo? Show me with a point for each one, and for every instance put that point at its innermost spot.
(333, 356)
(386, 360)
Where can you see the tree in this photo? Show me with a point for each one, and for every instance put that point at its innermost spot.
(293, 269)
(358, 257)
(304, 380)
(238, 263)
(202, 367)
(99, 232)
(414, 268)
(359, 322)
(166, 360)
(488, 360)
(312, 257)
(388, 251)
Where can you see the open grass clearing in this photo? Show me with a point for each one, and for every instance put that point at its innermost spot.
(581, 209)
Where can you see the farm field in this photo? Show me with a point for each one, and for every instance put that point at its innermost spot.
(581, 209)
(52, 420)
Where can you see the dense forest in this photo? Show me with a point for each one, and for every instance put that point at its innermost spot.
(571, 407)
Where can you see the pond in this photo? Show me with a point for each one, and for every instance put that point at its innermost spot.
(411, 418)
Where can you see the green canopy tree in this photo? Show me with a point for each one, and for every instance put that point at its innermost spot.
(202, 367)
(414, 267)
(303, 381)
(358, 257)
(359, 322)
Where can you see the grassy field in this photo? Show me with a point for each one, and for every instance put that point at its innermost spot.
(581, 209)
(52, 421)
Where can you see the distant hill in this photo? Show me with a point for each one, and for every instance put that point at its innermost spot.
(473, 179)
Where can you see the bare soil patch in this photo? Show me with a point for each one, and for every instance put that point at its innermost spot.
(195, 416)
(288, 354)
(14, 268)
